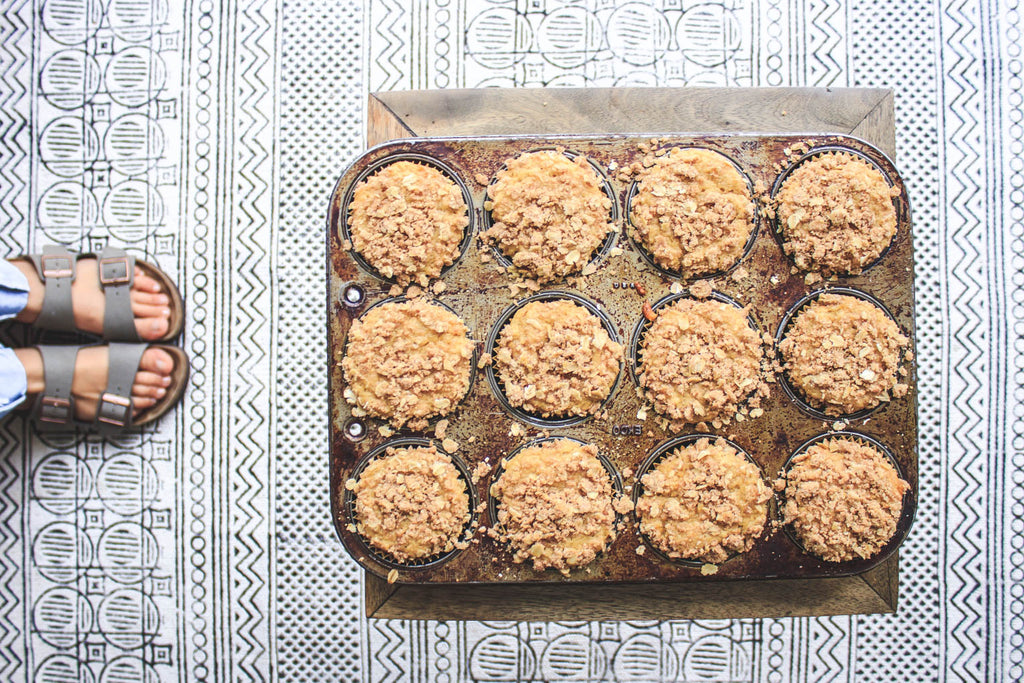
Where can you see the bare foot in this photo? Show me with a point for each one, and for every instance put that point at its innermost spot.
(90, 380)
(149, 302)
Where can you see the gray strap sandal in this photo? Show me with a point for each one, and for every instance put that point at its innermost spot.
(57, 268)
(54, 409)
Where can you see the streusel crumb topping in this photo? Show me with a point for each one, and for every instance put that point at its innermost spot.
(411, 504)
(836, 214)
(407, 220)
(693, 212)
(844, 499)
(704, 501)
(549, 212)
(407, 362)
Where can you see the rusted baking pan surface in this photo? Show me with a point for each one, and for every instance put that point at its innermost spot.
(477, 288)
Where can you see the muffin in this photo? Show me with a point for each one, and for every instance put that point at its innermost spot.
(556, 505)
(411, 504)
(843, 499)
(693, 212)
(841, 354)
(550, 213)
(699, 361)
(407, 221)
(556, 359)
(836, 214)
(406, 362)
(704, 501)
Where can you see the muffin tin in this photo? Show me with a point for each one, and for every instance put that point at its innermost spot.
(477, 288)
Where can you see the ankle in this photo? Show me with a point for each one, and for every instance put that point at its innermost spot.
(32, 361)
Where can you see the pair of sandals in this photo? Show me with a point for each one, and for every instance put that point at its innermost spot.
(54, 408)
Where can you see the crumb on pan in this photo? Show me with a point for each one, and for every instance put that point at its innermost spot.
(693, 212)
(704, 501)
(836, 214)
(843, 499)
(556, 358)
(700, 360)
(841, 354)
(549, 212)
(556, 505)
(407, 361)
(407, 220)
(411, 503)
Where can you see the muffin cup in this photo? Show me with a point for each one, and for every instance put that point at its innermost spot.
(675, 274)
(422, 160)
(431, 421)
(613, 213)
(787, 386)
(660, 453)
(496, 384)
(903, 524)
(900, 202)
(381, 558)
(493, 505)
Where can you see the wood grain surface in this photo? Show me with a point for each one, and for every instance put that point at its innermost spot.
(865, 112)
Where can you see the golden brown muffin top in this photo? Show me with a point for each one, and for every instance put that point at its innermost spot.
(556, 505)
(704, 501)
(836, 214)
(843, 498)
(407, 220)
(411, 504)
(700, 360)
(841, 354)
(407, 361)
(549, 213)
(555, 358)
(693, 212)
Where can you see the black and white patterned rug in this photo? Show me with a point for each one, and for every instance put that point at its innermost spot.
(207, 137)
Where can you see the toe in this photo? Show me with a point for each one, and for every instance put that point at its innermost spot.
(150, 299)
(144, 283)
(152, 379)
(152, 328)
(157, 361)
(148, 391)
(142, 403)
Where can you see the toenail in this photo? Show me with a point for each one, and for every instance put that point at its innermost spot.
(155, 327)
(161, 392)
(166, 312)
(162, 365)
(155, 287)
(166, 381)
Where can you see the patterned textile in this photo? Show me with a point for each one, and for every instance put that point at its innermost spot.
(206, 137)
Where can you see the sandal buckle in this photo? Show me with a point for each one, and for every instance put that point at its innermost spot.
(115, 271)
(56, 266)
(55, 410)
(114, 410)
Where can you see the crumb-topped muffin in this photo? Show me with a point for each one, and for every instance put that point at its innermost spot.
(556, 359)
(843, 499)
(407, 361)
(704, 501)
(556, 505)
(842, 353)
(836, 214)
(411, 504)
(693, 212)
(700, 360)
(549, 213)
(407, 221)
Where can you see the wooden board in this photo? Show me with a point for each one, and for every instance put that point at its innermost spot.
(866, 113)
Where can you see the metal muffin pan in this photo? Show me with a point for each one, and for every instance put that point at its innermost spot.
(477, 289)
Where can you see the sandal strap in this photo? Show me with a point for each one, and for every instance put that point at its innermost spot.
(117, 272)
(114, 412)
(54, 409)
(56, 269)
